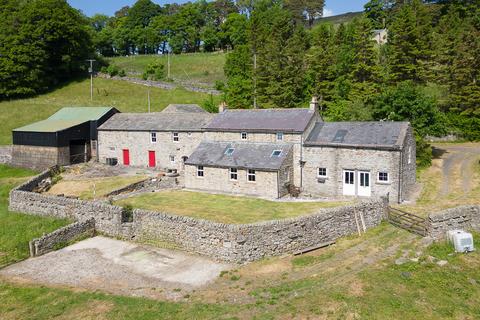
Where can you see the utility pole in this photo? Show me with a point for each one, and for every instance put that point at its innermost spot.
(90, 70)
(168, 64)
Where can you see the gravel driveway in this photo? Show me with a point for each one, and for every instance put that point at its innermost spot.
(118, 267)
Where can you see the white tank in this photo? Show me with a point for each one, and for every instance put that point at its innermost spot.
(462, 241)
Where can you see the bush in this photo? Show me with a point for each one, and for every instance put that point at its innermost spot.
(219, 85)
(127, 213)
(210, 105)
(154, 71)
(424, 152)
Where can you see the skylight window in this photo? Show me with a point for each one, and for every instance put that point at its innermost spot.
(340, 136)
(276, 153)
(229, 151)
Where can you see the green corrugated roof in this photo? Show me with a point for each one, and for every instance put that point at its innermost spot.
(80, 113)
(65, 118)
(50, 125)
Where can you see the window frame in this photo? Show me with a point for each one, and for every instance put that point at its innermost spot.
(276, 155)
(322, 175)
(200, 169)
(251, 173)
(242, 134)
(383, 181)
(233, 172)
(228, 153)
(153, 137)
(279, 134)
(176, 136)
(172, 158)
(409, 160)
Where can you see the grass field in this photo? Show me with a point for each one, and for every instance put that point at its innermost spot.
(120, 94)
(223, 208)
(16, 229)
(84, 188)
(202, 68)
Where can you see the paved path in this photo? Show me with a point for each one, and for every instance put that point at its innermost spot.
(118, 267)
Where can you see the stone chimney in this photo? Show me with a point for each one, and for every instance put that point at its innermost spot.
(314, 104)
(222, 107)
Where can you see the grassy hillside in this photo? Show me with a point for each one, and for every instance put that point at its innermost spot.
(341, 18)
(203, 68)
(120, 94)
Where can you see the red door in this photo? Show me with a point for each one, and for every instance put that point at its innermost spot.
(151, 159)
(126, 157)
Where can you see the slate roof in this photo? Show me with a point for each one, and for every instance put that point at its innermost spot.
(66, 118)
(262, 120)
(369, 134)
(188, 108)
(157, 121)
(245, 155)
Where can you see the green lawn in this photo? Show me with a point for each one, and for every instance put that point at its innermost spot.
(191, 67)
(126, 97)
(223, 208)
(17, 229)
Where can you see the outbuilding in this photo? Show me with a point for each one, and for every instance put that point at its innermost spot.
(69, 136)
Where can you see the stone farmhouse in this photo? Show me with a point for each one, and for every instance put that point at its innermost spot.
(266, 152)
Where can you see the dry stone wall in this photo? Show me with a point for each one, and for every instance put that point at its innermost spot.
(63, 235)
(463, 217)
(226, 242)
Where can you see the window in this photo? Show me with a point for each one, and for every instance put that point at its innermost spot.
(175, 136)
(233, 174)
(279, 136)
(383, 176)
(199, 171)
(349, 179)
(243, 135)
(251, 175)
(172, 159)
(287, 174)
(409, 155)
(276, 153)
(229, 151)
(153, 137)
(322, 172)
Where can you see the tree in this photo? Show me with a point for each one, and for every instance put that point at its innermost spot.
(238, 70)
(42, 43)
(376, 12)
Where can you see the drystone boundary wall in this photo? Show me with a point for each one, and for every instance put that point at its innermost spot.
(5, 154)
(64, 235)
(462, 217)
(226, 242)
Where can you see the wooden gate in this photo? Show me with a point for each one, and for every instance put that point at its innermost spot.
(407, 221)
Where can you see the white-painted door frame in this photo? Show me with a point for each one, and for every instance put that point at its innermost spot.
(364, 181)
(348, 179)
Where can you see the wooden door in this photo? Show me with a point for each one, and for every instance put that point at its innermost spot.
(151, 159)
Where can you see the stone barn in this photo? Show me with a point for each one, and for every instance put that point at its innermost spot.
(360, 159)
(257, 169)
(67, 137)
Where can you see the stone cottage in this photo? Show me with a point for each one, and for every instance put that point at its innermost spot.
(267, 152)
(164, 139)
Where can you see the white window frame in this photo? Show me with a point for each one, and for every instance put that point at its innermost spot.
(409, 154)
(322, 175)
(176, 136)
(383, 181)
(233, 174)
(242, 134)
(153, 137)
(228, 153)
(287, 174)
(172, 159)
(279, 136)
(200, 169)
(251, 173)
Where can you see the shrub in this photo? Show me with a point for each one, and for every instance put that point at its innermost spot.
(127, 213)
(219, 85)
(424, 152)
(154, 71)
(209, 105)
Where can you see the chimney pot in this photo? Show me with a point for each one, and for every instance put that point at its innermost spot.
(314, 104)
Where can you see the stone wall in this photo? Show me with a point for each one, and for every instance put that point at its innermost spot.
(36, 157)
(111, 144)
(463, 217)
(5, 154)
(48, 242)
(233, 243)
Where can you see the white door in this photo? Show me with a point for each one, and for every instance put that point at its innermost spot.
(349, 183)
(364, 184)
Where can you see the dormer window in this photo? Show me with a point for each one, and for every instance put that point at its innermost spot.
(277, 153)
(229, 151)
(243, 135)
(279, 136)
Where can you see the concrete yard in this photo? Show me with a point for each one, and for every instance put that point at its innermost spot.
(118, 267)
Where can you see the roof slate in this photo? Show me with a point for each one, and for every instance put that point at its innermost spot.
(262, 120)
(245, 155)
(187, 108)
(158, 121)
(379, 134)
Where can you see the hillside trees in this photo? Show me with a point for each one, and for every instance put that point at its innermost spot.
(42, 43)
